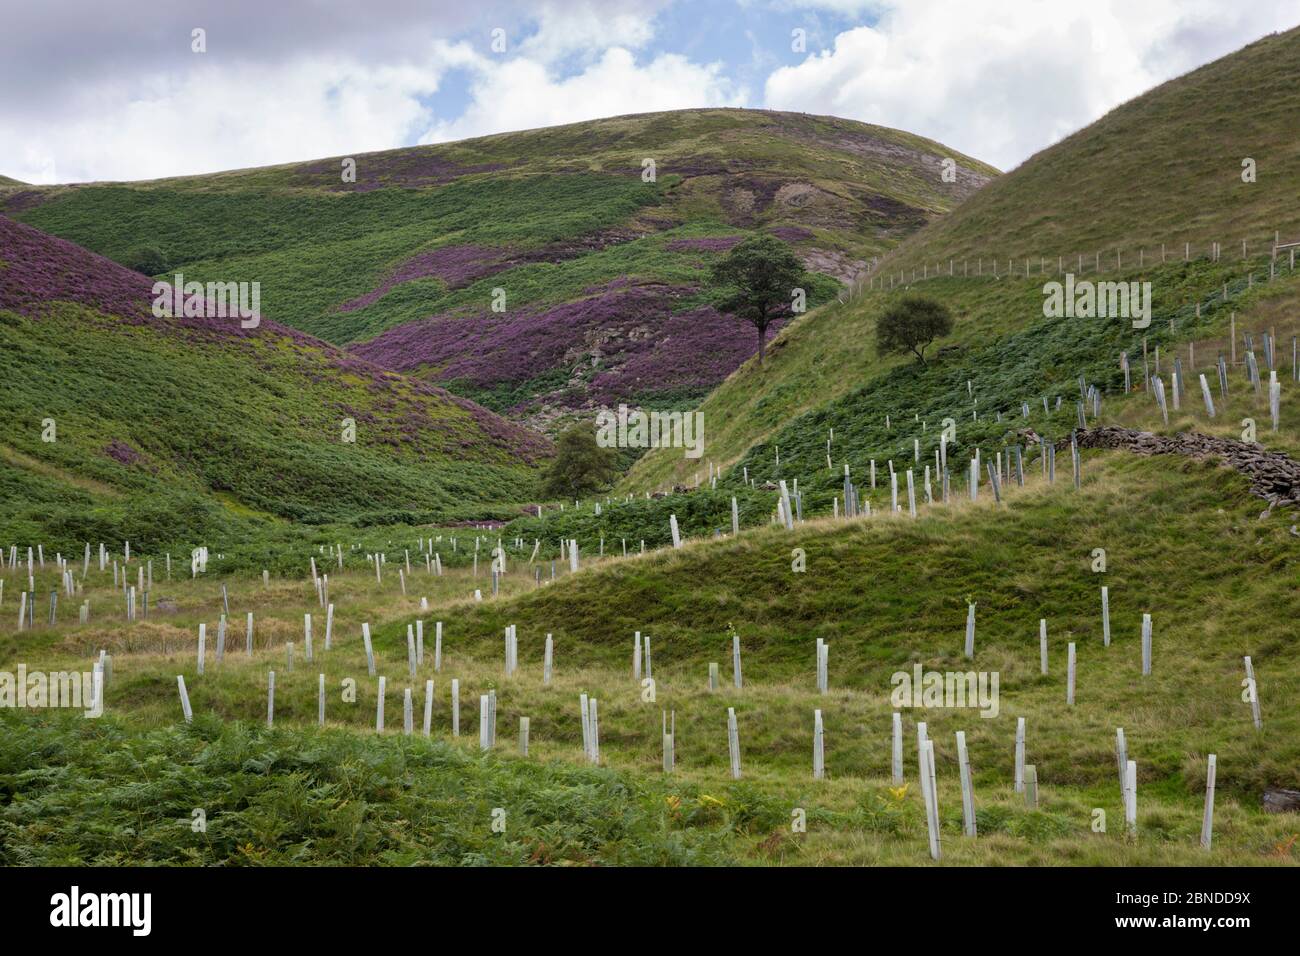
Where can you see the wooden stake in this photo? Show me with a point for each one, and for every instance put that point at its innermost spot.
(1207, 819)
(967, 793)
(733, 743)
(185, 698)
(819, 753)
(1020, 755)
(1069, 686)
(428, 707)
(898, 749)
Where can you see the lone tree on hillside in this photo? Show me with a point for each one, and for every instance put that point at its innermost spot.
(758, 279)
(581, 466)
(910, 325)
(146, 260)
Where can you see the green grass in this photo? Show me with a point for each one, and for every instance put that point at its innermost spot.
(1183, 543)
(824, 372)
(1079, 197)
(1044, 360)
(231, 437)
(1177, 178)
(314, 246)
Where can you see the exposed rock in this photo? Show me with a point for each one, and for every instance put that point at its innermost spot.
(1275, 477)
(1279, 800)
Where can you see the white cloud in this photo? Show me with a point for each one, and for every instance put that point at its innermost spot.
(522, 93)
(223, 115)
(99, 96)
(587, 27)
(1001, 79)
(134, 102)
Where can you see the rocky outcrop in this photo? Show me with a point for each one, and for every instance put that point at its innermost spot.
(1275, 477)
(1280, 800)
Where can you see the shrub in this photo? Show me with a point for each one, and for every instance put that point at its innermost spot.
(581, 466)
(910, 325)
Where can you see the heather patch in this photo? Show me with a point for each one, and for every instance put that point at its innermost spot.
(408, 169)
(458, 266)
(121, 452)
(42, 269)
(792, 233)
(454, 265)
(22, 201)
(690, 353)
(622, 340)
(714, 244)
(689, 167)
(494, 348)
(748, 197)
(411, 417)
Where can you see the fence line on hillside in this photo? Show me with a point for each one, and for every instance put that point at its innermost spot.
(873, 277)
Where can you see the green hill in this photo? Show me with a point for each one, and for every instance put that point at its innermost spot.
(1128, 182)
(167, 431)
(245, 436)
(1165, 169)
(601, 271)
(888, 595)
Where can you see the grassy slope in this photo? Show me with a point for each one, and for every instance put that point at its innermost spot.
(1175, 532)
(316, 244)
(222, 435)
(1128, 180)
(1043, 360)
(1162, 168)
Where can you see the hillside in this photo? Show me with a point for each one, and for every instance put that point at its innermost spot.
(1174, 530)
(601, 271)
(1127, 182)
(7, 181)
(1124, 603)
(1133, 181)
(164, 431)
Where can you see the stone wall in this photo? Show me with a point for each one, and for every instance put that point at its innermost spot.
(1273, 476)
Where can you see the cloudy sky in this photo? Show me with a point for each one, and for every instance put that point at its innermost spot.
(97, 90)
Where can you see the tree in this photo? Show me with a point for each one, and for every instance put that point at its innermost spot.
(581, 466)
(146, 260)
(910, 325)
(757, 280)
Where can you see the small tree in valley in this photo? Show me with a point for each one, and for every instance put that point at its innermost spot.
(581, 466)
